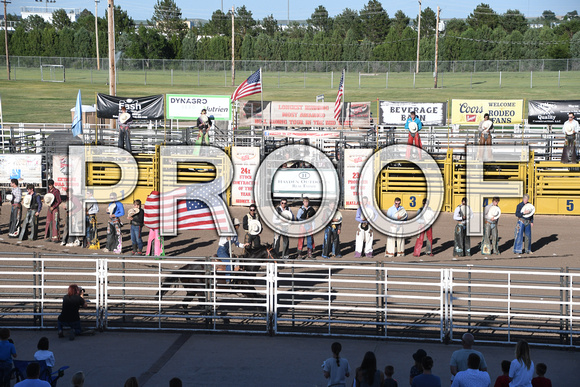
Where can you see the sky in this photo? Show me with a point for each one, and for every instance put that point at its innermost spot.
(302, 9)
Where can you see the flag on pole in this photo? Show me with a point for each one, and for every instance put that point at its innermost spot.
(252, 85)
(338, 102)
(77, 123)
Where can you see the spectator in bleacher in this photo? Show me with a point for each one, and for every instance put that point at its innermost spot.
(426, 379)
(32, 375)
(78, 379)
(472, 376)
(428, 233)
(335, 368)
(131, 382)
(364, 235)
(203, 124)
(414, 126)
(485, 130)
(417, 368)
(523, 231)
(462, 241)
(92, 238)
(114, 236)
(124, 124)
(396, 244)
(504, 379)
(570, 129)
(43, 353)
(492, 213)
(175, 382)
(389, 381)
(306, 212)
(16, 211)
(34, 205)
(367, 374)
(459, 358)
(541, 380)
(522, 367)
(331, 243)
(7, 352)
(52, 200)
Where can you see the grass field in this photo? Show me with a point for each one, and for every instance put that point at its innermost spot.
(26, 99)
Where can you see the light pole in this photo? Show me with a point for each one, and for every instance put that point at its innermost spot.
(418, 37)
(46, 3)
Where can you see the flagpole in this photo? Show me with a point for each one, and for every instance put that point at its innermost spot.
(262, 110)
(2, 123)
(343, 95)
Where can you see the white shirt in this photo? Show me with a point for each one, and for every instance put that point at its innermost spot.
(337, 372)
(521, 376)
(457, 214)
(471, 378)
(47, 356)
(574, 125)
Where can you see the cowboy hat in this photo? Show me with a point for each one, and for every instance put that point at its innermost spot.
(49, 199)
(254, 227)
(337, 218)
(428, 215)
(400, 214)
(568, 128)
(528, 210)
(494, 212)
(287, 214)
(124, 117)
(26, 201)
(486, 125)
(111, 209)
(413, 127)
(132, 212)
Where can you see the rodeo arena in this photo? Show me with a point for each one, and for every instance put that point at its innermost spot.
(230, 240)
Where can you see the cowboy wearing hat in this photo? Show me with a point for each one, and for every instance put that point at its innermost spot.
(226, 243)
(306, 212)
(282, 211)
(331, 243)
(414, 126)
(525, 214)
(124, 123)
(253, 227)
(52, 200)
(34, 205)
(462, 241)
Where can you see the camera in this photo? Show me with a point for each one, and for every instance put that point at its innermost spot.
(83, 292)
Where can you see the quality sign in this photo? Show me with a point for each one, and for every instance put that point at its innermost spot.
(188, 107)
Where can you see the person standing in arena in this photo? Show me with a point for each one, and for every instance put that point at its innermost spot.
(428, 233)
(331, 243)
(304, 213)
(570, 129)
(34, 204)
(16, 211)
(461, 240)
(92, 239)
(523, 232)
(253, 227)
(413, 126)
(53, 201)
(124, 124)
(364, 234)
(485, 129)
(114, 236)
(396, 212)
(283, 211)
(490, 234)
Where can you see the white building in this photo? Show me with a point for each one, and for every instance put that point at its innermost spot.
(46, 13)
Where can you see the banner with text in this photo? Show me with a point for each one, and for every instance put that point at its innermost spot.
(141, 108)
(186, 107)
(396, 113)
(552, 112)
(471, 111)
(24, 168)
(354, 160)
(302, 114)
(246, 161)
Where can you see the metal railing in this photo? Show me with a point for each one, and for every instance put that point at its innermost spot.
(357, 299)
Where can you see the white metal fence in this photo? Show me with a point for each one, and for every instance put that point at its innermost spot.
(358, 299)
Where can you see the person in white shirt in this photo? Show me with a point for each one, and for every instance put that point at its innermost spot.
(570, 129)
(336, 369)
(490, 234)
(281, 236)
(364, 234)
(522, 367)
(472, 376)
(462, 242)
(399, 241)
(43, 353)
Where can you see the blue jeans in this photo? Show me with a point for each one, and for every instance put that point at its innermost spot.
(224, 252)
(74, 325)
(136, 237)
(523, 229)
(5, 372)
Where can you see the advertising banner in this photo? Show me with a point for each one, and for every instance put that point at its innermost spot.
(552, 112)
(304, 133)
(298, 183)
(187, 107)
(354, 160)
(302, 114)
(246, 161)
(471, 111)
(141, 108)
(25, 168)
(396, 113)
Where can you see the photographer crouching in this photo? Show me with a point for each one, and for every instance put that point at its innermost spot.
(69, 316)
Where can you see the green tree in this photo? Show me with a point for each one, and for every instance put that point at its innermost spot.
(34, 43)
(334, 51)
(350, 46)
(218, 48)
(531, 50)
(262, 48)
(365, 51)
(147, 43)
(408, 45)
(513, 20)
(167, 18)
(548, 17)
(247, 49)
(17, 41)
(123, 22)
(270, 25)
(189, 46)
(571, 15)
(499, 49)
(319, 20)
(85, 19)
(34, 22)
(66, 46)
(575, 45)
(375, 20)
(456, 25)
(49, 42)
(568, 28)
(483, 15)
(295, 31)
(400, 22)
(218, 24)
(83, 43)
(346, 20)
(428, 21)
(515, 48)
(244, 21)
(60, 19)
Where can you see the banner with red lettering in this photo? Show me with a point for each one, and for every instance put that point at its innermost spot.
(471, 111)
(354, 161)
(246, 161)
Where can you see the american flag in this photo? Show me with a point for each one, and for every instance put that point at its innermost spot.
(252, 85)
(338, 102)
(191, 214)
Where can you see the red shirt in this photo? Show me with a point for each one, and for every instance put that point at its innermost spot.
(541, 381)
(502, 381)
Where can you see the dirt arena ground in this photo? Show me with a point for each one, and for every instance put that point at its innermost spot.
(555, 242)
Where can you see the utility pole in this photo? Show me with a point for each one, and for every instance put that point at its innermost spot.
(97, 33)
(418, 37)
(233, 51)
(111, 31)
(437, 44)
(6, 38)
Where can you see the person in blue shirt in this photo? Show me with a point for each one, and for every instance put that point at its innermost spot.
(114, 237)
(426, 379)
(414, 126)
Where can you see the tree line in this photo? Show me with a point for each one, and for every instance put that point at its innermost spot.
(363, 35)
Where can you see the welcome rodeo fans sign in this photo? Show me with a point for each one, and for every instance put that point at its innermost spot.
(471, 111)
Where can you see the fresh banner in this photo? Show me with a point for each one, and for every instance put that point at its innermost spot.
(396, 113)
(186, 107)
(552, 112)
(141, 108)
(471, 111)
(24, 168)
(354, 160)
(301, 114)
(246, 161)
